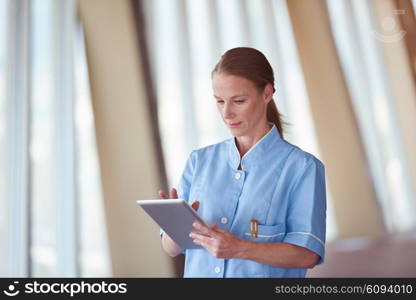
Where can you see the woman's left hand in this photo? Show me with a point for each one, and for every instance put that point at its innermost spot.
(219, 242)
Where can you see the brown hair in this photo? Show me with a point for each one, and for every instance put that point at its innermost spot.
(254, 66)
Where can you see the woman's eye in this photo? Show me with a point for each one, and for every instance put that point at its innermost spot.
(240, 101)
(220, 102)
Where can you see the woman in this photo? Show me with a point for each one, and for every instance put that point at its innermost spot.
(264, 197)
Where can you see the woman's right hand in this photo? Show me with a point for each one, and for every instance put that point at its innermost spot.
(168, 244)
(174, 195)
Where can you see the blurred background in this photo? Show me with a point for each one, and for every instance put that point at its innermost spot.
(101, 102)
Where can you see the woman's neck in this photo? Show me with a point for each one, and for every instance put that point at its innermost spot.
(245, 142)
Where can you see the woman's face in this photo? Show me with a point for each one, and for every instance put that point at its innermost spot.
(242, 107)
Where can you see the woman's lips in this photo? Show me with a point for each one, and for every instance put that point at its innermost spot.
(234, 125)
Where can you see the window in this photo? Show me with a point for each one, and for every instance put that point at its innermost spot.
(43, 146)
(3, 149)
(53, 223)
(359, 45)
(94, 252)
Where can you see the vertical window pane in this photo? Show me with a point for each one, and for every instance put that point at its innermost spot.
(44, 195)
(94, 256)
(3, 198)
(172, 86)
(205, 50)
(234, 32)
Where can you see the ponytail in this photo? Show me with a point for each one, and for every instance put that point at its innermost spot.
(274, 116)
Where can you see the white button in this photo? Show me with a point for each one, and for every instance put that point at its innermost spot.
(237, 175)
(224, 220)
(217, 270)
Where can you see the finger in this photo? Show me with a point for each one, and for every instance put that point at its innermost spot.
(197, 234)
(202, 240)
(198, 242)
(173, 193)
(195, 205)
(205, 230)
(163, 195)
(215, 227)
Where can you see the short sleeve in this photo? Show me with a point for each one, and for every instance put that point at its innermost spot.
(306, 219)
(185, 181)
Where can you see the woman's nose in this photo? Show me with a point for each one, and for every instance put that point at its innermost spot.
(228, 113)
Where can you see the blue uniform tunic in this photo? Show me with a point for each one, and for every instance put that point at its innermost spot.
(279, 185)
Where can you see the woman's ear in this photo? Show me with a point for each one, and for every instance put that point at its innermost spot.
(268, 92)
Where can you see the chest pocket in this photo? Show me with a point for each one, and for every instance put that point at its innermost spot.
(266, 233)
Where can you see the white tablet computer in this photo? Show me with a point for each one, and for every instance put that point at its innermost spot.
(175, 217)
